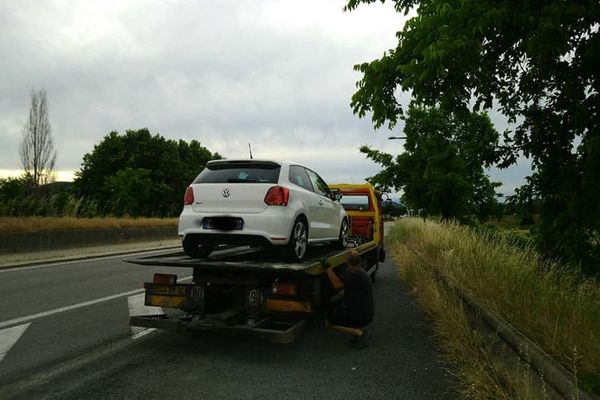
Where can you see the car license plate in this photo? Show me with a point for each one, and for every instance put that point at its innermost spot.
(167, 290)
(223, 224)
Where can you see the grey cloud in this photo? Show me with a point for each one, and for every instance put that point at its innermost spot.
(276, 74)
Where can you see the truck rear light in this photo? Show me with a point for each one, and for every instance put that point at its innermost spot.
(277, 196)
(165, 279)
(189, 196)
(285, 289)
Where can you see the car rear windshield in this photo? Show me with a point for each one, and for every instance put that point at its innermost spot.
(355, 202)
(236, 172)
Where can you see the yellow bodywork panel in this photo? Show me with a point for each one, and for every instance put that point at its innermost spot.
(288, 305)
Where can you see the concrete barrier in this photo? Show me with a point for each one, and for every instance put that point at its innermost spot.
(52, 240)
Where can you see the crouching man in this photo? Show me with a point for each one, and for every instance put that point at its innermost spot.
(355, 309)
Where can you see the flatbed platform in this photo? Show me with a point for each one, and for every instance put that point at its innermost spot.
(254, 259)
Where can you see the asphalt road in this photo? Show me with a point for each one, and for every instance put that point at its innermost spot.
(64, 333)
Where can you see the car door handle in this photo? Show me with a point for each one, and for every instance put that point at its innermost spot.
(320, 202)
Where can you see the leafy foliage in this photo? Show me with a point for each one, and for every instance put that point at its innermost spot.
(441, 170)
(131, 190)
(538, 63)
(19, 198)
(138, 174)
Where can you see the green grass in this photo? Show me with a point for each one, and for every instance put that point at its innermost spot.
(546, 301)
(34, 224)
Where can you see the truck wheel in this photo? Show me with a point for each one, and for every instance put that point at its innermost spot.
(381, 255)
(194, 249)
(372, 263)
(342, 242)
(295, 250)
(364, 262)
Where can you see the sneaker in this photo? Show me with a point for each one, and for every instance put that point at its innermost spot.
(359, 342)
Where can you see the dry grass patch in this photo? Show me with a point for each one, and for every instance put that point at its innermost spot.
(34, 224)
(546, 301)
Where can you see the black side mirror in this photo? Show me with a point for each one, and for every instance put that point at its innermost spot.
(337, 196)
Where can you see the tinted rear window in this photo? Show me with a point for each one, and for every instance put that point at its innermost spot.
(355, 202)
(239, 173)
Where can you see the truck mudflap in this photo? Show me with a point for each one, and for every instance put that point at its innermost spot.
(273, 328)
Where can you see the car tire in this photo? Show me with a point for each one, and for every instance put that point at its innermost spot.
(195, 249)
(342, 241)
(295, 250)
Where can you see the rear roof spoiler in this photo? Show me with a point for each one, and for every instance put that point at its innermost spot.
(217, 164)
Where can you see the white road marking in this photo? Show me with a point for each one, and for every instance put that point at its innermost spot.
(9, 337)
(43, 314)
(142, 332)
(83, 260)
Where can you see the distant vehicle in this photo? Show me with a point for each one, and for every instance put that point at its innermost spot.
(260, 203)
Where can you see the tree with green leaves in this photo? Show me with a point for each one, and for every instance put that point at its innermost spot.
(441, 170)
(537, 62)
(140, 174)
(131, 192)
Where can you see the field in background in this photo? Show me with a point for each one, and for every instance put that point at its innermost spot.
(513, 225)
(35, 224)
(546, 301)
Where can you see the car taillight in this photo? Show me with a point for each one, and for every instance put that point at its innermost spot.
(277, 196)
(189, 196)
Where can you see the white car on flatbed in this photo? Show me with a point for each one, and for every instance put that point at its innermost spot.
(260, 203)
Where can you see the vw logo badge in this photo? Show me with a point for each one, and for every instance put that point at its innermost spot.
(226, 192)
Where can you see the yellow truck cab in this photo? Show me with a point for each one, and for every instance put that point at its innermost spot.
(363, 205)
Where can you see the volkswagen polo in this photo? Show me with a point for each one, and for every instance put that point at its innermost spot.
(260, 203)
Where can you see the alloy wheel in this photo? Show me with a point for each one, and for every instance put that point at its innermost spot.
(344, 233)
(300, 240)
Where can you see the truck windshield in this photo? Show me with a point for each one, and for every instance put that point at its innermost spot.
(239, 173)
(355, 202)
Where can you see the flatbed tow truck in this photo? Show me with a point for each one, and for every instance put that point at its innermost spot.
(248, 290)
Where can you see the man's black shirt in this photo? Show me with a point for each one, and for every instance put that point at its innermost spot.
(358, 295)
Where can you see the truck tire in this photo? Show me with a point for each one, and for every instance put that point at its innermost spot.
(342, 241)
(381, 254)
(195, 249)
(295, 250)
(373, 276)
(373, 263)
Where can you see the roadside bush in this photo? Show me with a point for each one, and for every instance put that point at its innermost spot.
(19, 199)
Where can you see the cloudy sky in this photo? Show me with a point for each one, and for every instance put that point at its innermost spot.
(277, 74)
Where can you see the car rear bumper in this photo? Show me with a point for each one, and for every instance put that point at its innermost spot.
(272, 226)
(226, 238)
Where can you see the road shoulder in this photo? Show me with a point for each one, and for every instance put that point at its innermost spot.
(80, 253)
